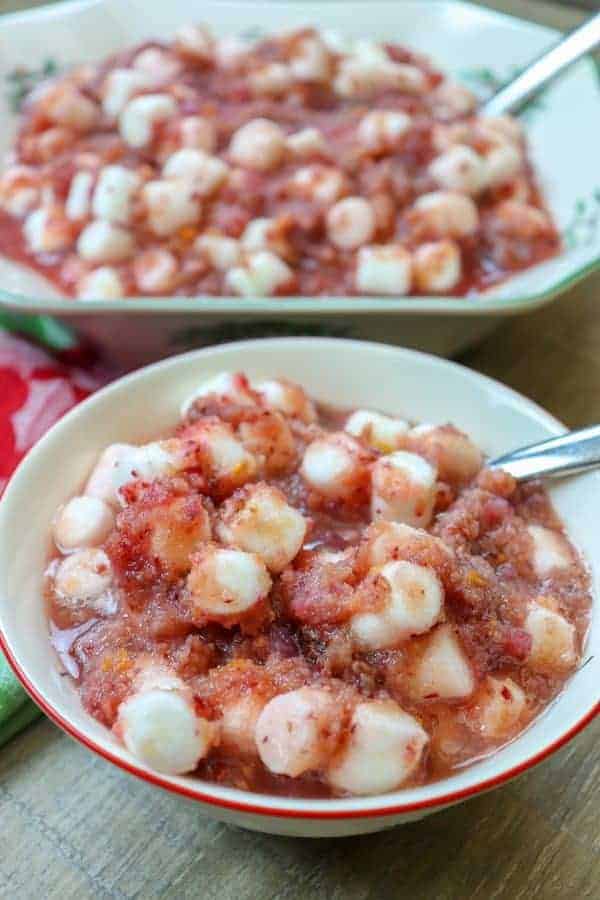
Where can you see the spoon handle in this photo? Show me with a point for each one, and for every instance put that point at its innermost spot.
(511, 97)
(564, 455)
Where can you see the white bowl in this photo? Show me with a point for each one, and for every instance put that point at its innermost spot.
(482, 47)
(145, 404)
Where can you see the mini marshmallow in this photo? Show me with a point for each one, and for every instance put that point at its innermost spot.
(324, 184)
(224, 455)
(452, 99)
(162, 730)
(271, 80)
(120, 464)
(264, 234)
(446, 214)
(500, 705)
(553, 646)
(114, 194)
(550, 550)
(383, 129)
(65, 105)
(363, 77)
(263, 522)
(220, 251)
(199, 133)
(437, 266)
(82, 522)
(414, 599)
(457, 458)
(206, 172)
(225, 584)
(120, 85)
(289, 398)
(391, 540)
(238, 724)
(263, 274)
(104, 242)
(403, 489)
(170, 205)
(384, 269)
(155, 271)
(293, 731)
(443, 670)
(231, 52)
(78, 201)
(138, 117)
(19, 190)
(195, 41)
(259, 144)
(383, 749)
(332, 466)
(460, 169)
(84, 580)
(310, 60)
(224, 384)
(381, 432)
(47, 230)
(307, 142)
(502, 164)
(505, 128)
(103, 283)
(350, 223)
(158, 63)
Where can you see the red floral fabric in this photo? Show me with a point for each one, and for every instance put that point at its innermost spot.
(36, 389)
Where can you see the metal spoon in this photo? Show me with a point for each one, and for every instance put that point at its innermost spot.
(555, 458)
(575, 45)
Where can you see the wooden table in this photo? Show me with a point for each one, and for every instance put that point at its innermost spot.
(75, 827)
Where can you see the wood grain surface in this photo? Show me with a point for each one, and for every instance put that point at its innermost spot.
(73, 826)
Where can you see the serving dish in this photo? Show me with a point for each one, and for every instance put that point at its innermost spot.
(143, 329)
(412, 384)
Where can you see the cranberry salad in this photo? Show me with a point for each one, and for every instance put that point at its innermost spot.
(297, 165)
(303, 600)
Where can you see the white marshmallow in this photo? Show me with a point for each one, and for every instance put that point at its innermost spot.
(64, 104)
(331, 467)
(383, 749)
(447, 213)
(350, 223)
(324, 184)
(159, 64)
(310, 60)
(460, 169)
(120, 464)
(156, 271)
(83, 580)
(225, 455)
(500, 705)
(170, 205)
(292, 730)
(46, 232)
(195, 41)
(199, 133)
(307, 142)
(271, 80)
(502, 164)
(384, 269)
(550, 550)
(238, 724)
(82, 522)
(224, 384)
(263, 273)
(120, 85)
(553, 646)
(457, 458)
(403, 489)
(413, 605)
(452, 99)
(379, 431)
(264, 524)
(114, 194)
(393, 539)
(138, 117)
(289, 398)
(362, 77)
(231, 52)
(103, 283)
(443, 671)
(222, 252)
(206, 172)
(264, 234)
(383, 128)
(162, 730)
(79, 196)
(227, 583)
(259, 144)
(437, 266)
(104, 242)
(19, 190)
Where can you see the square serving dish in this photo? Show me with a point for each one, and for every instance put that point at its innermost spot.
(482, 47)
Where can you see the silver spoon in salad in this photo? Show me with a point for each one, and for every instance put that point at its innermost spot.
(557, 457)
(513, 96)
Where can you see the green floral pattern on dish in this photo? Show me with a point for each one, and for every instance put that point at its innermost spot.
(486, 82)
(585, 221)
(21, 81)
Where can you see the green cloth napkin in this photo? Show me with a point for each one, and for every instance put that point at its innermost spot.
(16, 709)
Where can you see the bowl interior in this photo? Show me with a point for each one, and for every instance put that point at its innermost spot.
(145, 404)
